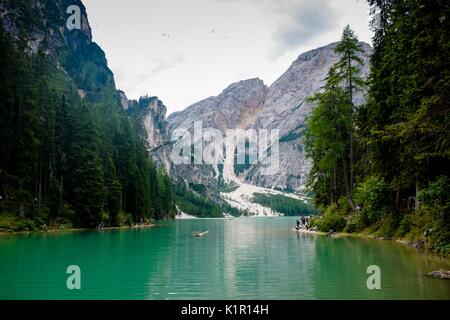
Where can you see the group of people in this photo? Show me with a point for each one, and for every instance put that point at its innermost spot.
(303, 223)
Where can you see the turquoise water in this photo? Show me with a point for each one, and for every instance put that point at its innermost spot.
(242, 258)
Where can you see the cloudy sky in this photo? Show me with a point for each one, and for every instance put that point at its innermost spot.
(186, 50)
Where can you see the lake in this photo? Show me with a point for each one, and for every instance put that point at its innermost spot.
(241, 258)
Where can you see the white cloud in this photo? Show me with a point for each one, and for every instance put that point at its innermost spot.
(299, 22)
(295, 23)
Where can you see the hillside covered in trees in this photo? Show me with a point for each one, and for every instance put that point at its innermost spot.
(285, 205)
(384, 166)
(69, 154)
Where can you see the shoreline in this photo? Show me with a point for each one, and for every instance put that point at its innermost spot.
(403, 241)
(335, 235)
(4, 233)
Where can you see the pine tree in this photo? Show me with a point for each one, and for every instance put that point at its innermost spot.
(349, 50)
(406, 120)
(84, 185)
(330, 136)
(326, 139)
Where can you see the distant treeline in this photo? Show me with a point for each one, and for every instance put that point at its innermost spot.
(199, 205)
(286, 205)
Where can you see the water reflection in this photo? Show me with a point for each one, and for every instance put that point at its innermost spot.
(243, 258)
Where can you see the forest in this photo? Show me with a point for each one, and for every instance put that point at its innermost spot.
(66, 161)
(383, 166)
(285, 205)
(194, 201)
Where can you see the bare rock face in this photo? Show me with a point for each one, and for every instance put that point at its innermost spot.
(44, 29)
(286, 109)
(123, 100)
(251, 104)
(236, 107)
(54, 15)
(150, 112)
(155, 123)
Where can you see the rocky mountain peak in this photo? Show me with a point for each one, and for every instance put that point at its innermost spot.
(254, 84)
(123, 100)
(152, 113)
(44, 29)
(282, 106)
(47, 31)
(235, 107)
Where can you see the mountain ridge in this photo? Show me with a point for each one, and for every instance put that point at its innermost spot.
(251, 104)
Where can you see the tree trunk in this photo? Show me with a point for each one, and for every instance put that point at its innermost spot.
(40, 188)
(332, 192)
(334, 183)
(417, 202)
(397, 199)
(347, 189)
(350, 92)
(351, 159)
(6, 185)
(21, 209)
(61, 193)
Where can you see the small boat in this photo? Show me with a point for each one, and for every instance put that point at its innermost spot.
(201, 234)
(441, 274)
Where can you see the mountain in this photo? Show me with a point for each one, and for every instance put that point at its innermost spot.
(235, 107)
(71, 151)
(91, 143)
(250, 104)
(285, 108)
(150, 113)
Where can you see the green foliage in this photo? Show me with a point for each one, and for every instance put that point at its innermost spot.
(391, 155)
(372, 197)
(200, 206)
(332, 219)
(436, 207)
(69, 154)
(198, 187)
(405, 225)
(123, 219)
(329, 139)
(165, 206)
(354, 224)
(405, 123)
(226, 187)
(291, 136)
(9, 222)
(286, 205)
(238, 166)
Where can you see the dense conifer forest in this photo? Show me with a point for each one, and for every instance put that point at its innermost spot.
(384, 165)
